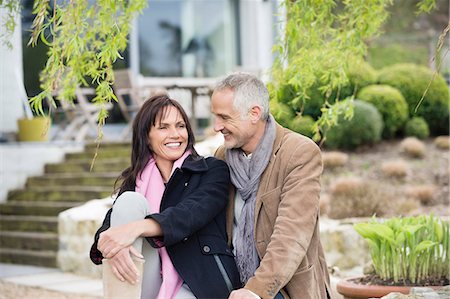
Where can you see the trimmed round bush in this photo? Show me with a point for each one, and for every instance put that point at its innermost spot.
(417, 127)
(390, 103)
(287, 93)
(282, 113)
(303, 124)
(365, 127)
(360, 75)
(412, 81)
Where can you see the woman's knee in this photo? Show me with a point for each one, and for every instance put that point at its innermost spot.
(131, 202)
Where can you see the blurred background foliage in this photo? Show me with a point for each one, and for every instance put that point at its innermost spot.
(337, 48)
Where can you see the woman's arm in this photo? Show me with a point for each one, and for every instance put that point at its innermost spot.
(95, 254)
(116, 238)
(197, 209)
(175, 223)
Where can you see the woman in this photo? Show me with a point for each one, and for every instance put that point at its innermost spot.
(175, 201)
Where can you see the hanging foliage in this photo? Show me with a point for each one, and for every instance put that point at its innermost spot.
(84, 41)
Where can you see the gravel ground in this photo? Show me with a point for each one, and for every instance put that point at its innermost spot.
(9, 290)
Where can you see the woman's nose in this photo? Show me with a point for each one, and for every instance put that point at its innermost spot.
(174, 133)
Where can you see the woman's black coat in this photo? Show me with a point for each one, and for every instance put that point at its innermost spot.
(192, 219)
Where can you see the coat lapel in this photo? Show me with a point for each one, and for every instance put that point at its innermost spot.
(267, 174)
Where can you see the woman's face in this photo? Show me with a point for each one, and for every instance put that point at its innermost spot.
(168, 139)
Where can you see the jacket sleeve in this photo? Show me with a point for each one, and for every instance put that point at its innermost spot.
(296, 221)
(196, 210)
(95, 254)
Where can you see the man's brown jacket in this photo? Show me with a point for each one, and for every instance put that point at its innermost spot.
(287, 221)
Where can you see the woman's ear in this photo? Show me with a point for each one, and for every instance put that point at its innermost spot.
(255, 114)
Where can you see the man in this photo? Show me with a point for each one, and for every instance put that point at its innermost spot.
(273, 215)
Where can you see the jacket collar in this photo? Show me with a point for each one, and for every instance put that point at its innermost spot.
(279, 134)
(197, 164)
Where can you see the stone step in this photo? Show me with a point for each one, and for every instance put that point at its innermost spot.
(44, 258)
(106, 179)
(29, 240)
(61, 193)
(102, 154)
(40, 208)
(29, 223)
(108, 145)
(84, 166)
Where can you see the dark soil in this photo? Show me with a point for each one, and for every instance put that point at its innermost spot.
(374, 279)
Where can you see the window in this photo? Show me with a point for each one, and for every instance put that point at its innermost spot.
(190, 38)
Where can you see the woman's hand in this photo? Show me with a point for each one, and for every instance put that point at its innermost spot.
(112, 240)
(123, 266)
(116, 238)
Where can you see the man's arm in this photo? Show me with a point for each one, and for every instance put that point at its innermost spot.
(295, 224)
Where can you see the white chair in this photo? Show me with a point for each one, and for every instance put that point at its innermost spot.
(80, 116)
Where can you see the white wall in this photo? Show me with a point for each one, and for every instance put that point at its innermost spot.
(18, 161)
(11, 80)
(257, 31)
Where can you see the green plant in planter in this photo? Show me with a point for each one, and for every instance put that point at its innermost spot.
(410, 250)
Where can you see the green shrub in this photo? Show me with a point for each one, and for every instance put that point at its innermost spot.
(303, 124)
(417, 127)
(360, 75)
(282, 113)
(390, 103)
(287, 93)
(412, 81)
(364, 128)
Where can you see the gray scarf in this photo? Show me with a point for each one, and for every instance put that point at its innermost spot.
(245, 176)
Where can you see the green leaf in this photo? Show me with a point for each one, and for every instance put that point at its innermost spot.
(424, 245)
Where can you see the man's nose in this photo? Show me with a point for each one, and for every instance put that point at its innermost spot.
(218, 126)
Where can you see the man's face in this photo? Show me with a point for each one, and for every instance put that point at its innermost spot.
(237, 132)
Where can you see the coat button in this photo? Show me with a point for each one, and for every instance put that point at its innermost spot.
(185, 184)
(206, 249)
(185, 239)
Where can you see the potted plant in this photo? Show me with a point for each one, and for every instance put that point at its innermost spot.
(405, 252)
(33, 129)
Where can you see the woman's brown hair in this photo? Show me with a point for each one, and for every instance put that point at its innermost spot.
(153, 108)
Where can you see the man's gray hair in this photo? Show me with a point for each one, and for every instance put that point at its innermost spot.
(248, 92)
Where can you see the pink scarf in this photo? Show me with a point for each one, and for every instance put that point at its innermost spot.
(151, 184)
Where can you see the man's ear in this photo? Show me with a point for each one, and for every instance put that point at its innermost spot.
(255, 114)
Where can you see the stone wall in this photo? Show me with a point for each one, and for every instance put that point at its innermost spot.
(77, 227)
(344, 248)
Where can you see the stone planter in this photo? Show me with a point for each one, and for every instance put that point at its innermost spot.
(351, 290)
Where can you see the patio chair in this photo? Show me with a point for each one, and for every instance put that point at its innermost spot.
(80, 116)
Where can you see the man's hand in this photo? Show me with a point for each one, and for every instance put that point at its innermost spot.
(243, 294)
(123, 266)
(116, 238)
